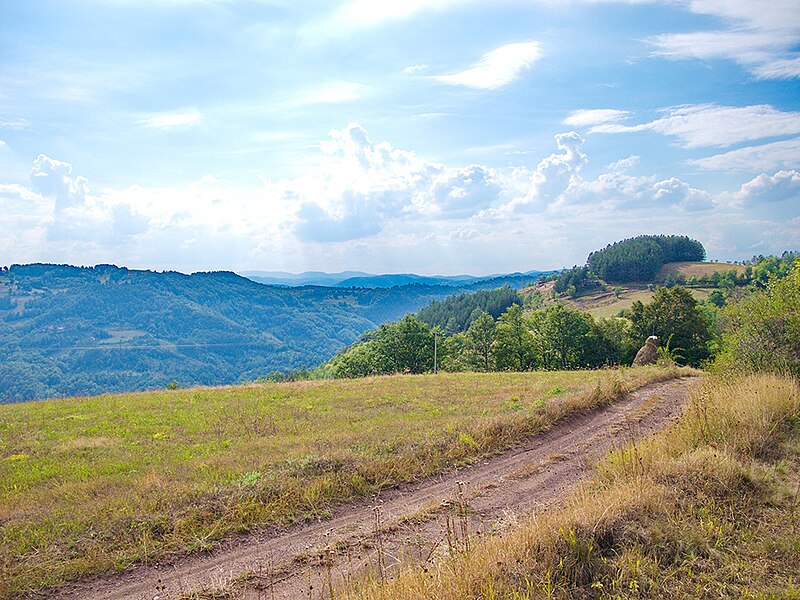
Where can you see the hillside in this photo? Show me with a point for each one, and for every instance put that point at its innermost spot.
(75, 331)
(605, 301)
(94, 485)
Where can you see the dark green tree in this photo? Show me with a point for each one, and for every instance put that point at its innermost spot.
(514, 350)
(404, 347)
(561, 335)
(481, 337)
(675, 317)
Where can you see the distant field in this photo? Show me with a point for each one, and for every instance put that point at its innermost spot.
(91, 485)
(697, 269)
(604, 304)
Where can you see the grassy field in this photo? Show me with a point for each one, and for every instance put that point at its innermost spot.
(607, 303)
(697, 269)
(708, 509)
(92, 485)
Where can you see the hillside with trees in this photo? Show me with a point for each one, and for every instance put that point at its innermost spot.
(557, 336)
(86, 330)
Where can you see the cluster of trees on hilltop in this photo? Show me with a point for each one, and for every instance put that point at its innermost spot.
(633, 259)
(556, 337)
(641, 258)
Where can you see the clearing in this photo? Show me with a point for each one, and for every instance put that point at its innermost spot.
(412, 522)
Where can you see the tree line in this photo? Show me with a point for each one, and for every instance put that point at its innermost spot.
(556, 337)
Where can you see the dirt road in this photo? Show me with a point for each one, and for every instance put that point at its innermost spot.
(414, 522)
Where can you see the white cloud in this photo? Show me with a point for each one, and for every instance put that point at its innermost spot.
(700, 125)
(172, 120)
(766, 157)
(410, 70)
(52, 179)
(497, 68)
(371, 13)
(594, 117)
(14, 124)
(362, 187)
(760, 35)
(370, 204)
(766, 189)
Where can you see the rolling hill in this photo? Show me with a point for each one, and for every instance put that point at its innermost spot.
(67, 331)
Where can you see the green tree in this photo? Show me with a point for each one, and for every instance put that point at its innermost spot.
(405, 346)
(761, 332)
(359, 360)
(481, 339)
(561, 335)
(514, 350)
(455, 353)
(675, 314)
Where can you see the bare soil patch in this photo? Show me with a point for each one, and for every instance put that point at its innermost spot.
(416, 522)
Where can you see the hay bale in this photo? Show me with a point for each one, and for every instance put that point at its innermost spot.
(647, 354)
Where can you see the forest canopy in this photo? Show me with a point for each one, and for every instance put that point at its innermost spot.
(641, 258)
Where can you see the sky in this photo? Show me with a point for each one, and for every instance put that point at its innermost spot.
(435, 137)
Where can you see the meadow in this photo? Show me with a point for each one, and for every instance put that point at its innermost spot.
(709, 508)
(94, 485)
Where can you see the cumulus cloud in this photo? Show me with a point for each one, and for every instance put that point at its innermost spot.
(362, 186)
(53, 179)
(369, 199)
(616, 191)
(699, 125)
(769, 189)
(760, 35)
(497, 68)
(553, 175)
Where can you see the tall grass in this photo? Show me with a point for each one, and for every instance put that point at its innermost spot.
(709, 508)
(93, 485)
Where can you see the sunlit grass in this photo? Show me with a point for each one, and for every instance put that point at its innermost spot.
(708, 509)
(89, 485)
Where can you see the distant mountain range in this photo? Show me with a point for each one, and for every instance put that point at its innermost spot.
(67, 331)
(359, 279)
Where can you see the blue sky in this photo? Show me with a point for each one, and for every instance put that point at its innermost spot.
(439, 137)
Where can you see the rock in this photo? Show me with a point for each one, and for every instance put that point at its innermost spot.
(647, 354)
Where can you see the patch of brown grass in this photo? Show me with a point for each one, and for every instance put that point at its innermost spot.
(709, 508)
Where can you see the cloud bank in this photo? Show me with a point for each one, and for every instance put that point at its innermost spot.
(368, 204)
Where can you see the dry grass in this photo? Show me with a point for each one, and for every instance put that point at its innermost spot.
(604, 304)
(697, 269)
(93, 485)
(708, 509)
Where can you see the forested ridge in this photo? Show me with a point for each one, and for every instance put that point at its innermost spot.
(68, 330)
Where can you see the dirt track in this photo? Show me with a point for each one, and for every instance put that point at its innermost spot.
(410, 523)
